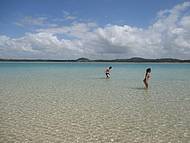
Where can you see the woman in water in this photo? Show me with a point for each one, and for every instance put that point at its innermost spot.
(147, 77)
(107, 72)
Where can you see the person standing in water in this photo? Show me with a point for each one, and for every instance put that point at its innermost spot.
(107, 72)
(147, 77)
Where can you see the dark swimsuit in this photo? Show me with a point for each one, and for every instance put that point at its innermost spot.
(107, 74)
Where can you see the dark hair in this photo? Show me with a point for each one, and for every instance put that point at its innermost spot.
(110, 67)
(148, 70)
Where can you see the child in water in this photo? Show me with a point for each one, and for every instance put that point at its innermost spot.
(107, 72)
(147, 77)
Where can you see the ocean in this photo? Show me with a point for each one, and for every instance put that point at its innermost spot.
(74, 102)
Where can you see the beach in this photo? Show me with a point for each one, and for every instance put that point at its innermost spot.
(73, 102)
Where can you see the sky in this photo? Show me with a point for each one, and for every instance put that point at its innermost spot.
(95, 29)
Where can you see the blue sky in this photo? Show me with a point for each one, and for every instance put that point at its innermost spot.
(20, 18)
(138, 13)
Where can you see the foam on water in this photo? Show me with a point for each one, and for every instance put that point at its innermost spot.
(73, 102)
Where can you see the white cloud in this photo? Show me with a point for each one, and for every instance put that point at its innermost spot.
(34, 21)
(169, 36)
(68, 16)
(29, 20)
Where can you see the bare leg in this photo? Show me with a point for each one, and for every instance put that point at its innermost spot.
(145, 83)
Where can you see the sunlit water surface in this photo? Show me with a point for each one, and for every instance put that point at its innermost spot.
(73, 102)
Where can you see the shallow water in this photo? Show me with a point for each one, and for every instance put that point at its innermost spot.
(73, 102)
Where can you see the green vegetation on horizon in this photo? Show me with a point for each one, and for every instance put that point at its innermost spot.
(134, 59)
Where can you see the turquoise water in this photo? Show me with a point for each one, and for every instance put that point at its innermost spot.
(73, 102)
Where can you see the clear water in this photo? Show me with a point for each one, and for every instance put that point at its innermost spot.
(73, 102)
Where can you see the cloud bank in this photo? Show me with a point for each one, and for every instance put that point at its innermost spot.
(168, 36)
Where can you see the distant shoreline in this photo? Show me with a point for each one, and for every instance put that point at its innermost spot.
(131, 60)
